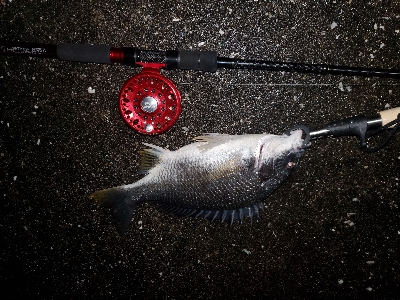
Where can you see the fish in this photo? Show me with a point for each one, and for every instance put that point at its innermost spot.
(217, 177)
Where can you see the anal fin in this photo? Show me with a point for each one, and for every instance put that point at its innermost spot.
(228, 216)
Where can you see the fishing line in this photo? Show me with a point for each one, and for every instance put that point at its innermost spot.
(394, 125)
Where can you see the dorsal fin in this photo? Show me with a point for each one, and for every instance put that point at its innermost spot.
(150, 157)
(211, 140)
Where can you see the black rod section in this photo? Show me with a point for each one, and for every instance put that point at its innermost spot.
(232, 63)
(28, 49)
(353, 126)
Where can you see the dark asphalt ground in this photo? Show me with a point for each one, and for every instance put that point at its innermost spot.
(331, 231)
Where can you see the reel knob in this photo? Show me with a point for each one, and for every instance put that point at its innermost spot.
(148, 102)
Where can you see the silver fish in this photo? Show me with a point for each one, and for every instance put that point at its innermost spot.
(220, 176)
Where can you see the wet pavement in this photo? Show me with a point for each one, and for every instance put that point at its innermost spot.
(331, 231)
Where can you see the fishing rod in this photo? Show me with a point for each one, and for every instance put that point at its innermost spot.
(150, 103)
(363, 127)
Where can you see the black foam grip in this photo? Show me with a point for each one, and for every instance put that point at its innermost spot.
(198, 60)
(84, 53)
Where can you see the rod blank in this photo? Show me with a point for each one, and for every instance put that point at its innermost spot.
(321, 69)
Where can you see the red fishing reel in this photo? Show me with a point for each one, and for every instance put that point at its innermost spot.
(148, 102)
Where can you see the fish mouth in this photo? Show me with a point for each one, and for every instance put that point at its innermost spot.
(305, 132)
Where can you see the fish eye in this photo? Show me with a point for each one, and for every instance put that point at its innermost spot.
(290, 165)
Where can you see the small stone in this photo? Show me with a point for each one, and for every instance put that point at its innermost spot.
(90, 90)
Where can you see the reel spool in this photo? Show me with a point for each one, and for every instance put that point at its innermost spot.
(148, 102)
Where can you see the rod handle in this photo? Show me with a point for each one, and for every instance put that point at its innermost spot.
(389, 115)
(84, 53)
(194, 60)
(197, 60)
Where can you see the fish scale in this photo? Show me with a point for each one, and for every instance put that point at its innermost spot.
(219, 176)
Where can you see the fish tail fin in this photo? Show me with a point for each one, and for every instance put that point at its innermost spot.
(121, 202)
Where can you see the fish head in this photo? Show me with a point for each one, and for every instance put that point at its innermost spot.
(278, 156)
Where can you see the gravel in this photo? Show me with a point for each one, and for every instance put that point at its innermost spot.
(332, 230)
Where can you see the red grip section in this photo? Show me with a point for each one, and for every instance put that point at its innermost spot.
(117, 55)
